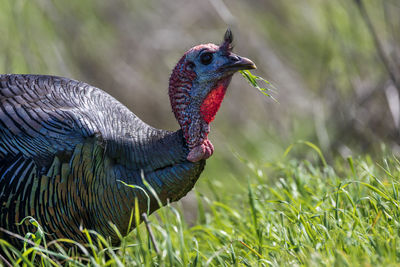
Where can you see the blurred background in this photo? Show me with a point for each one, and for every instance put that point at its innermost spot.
(335, 64)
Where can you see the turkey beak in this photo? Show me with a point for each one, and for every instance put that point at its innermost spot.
(237, 63)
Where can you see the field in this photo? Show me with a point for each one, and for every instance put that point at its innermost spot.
(285, 213)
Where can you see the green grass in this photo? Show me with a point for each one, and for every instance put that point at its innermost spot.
(291, 213)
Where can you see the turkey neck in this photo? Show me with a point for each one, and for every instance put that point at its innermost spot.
(156, 156)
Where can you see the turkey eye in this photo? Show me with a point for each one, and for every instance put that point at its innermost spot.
(206, 58)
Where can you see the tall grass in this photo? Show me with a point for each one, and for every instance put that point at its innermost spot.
(292, 213)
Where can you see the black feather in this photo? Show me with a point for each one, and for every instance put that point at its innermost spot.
(227, 42)
(228, 37)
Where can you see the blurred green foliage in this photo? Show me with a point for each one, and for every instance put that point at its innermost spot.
(332, 86)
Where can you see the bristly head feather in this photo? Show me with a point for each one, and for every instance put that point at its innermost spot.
(227, 42)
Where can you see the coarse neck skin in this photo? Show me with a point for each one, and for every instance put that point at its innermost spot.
(205, 100)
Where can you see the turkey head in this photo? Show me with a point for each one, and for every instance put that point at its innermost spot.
(197, 87)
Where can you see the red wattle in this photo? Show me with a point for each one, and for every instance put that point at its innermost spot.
(212, 102)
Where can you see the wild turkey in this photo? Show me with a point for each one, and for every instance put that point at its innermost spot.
(64, 146)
